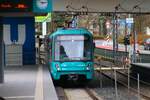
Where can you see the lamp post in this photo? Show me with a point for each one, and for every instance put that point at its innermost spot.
(115, 32)
(135, 34)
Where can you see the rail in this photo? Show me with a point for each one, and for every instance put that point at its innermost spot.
(67, 93)
(121, 82)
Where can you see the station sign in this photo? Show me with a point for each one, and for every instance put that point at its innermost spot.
(129, 20)
(42, 6)
(16, 6)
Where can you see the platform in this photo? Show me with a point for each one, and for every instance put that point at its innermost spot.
(143, 69)
(144, 65)
(27, 83)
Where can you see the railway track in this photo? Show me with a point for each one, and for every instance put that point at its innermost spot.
(122, 80)
(133, 78)
(144, 86)
(76, 94)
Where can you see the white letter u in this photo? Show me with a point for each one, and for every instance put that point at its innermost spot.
(21, 34)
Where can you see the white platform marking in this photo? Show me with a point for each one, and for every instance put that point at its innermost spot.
(19, 97)
(39, 85)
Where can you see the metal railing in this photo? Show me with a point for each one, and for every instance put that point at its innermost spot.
(142, 57)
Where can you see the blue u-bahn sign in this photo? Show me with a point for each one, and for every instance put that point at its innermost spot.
(24, 36)
(42, 6)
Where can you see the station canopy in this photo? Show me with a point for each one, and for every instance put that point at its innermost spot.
(120, 6)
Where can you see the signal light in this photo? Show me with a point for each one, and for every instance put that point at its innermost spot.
(126, 40)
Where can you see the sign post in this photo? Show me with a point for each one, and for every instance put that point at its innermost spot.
(130, 20)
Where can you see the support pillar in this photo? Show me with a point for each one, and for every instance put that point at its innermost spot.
(44, 28)
(1, 55)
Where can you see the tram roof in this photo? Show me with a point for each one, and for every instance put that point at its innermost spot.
(64, 31)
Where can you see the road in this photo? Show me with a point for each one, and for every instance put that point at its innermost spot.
(109, 45)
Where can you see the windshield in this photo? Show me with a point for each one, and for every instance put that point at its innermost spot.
(73, 47)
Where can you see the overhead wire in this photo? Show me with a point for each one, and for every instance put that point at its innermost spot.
(119, 5)
(137, 6)
(71, 8)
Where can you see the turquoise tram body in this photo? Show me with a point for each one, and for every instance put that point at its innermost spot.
(71, 53)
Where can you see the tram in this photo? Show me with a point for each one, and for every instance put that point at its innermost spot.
(71, 53)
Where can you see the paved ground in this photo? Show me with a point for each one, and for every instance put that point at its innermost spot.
(27, 83)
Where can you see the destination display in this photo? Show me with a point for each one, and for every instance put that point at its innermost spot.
(72, 37)
(16, 6)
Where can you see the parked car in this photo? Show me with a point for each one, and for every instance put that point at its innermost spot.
(147, 44)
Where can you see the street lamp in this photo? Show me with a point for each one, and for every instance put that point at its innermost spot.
(115, 33)
(135, 35)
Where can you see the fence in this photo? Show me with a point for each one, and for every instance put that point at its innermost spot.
(119, 55)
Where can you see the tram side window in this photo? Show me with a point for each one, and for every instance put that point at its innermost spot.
(87, 49)
(57, 50)
(50, 48)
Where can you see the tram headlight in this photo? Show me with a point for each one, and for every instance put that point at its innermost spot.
(57, 67)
